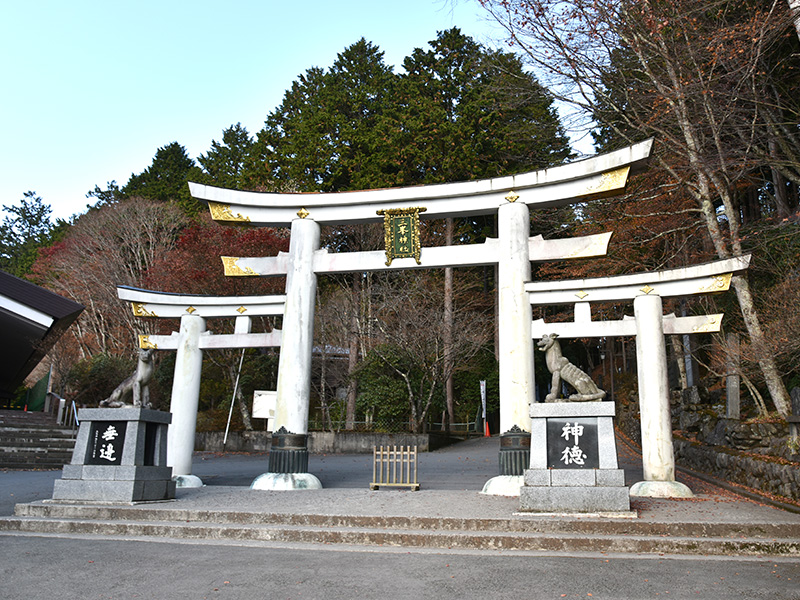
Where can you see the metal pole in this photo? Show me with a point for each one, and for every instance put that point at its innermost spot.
(233, 399)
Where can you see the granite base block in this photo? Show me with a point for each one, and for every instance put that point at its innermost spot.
(97, 490)
(575, 477)
(120, 473)
(574, 499)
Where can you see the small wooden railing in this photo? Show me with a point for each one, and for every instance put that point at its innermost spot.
(394, 466)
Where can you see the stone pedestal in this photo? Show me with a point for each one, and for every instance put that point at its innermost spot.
(573, 464)
(120, 456)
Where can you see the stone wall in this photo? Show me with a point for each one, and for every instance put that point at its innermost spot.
(320, 442)
(756, 472)
(699, 420)
(757, 455)
(238, 441)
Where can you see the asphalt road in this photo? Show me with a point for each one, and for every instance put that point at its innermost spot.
(35, 568)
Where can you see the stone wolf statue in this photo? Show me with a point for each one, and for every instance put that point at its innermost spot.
(561, 368)
(134, 391)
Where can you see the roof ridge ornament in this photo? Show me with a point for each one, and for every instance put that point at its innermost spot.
(223, 212)
(232, 269)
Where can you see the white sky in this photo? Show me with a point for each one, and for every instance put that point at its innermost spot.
(93, 88)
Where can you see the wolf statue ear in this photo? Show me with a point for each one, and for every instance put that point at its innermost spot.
(554, 335)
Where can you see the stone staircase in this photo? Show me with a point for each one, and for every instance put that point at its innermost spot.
(507, 534)
(32, 440)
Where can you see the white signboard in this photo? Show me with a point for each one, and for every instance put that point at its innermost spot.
(264, 405)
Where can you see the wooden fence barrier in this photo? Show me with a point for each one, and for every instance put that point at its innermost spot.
(393, 467)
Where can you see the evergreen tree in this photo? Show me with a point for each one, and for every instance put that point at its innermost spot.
(110, 195)
(224, 164)
(323, 136)
(463, 112)
(166, 179)
(25, 229)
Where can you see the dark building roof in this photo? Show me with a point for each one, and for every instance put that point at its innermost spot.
(31, 320)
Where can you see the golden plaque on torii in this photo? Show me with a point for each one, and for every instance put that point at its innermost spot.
(401, 233)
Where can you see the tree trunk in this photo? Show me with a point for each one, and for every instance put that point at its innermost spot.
(243, 410)
(352, 384)
(323, 396)
(794, 6)
(323, 370)
(779, 184)
(448, 329)
(766, 362)
(677, 352)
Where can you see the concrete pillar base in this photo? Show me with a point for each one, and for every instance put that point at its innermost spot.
(515, 451)
(661, 489)
(504, 485)
(288, 452)
(188, 481)
(286, 481)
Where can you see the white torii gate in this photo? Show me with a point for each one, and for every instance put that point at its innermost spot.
(649, 326)
(512, 251)
(190, 341)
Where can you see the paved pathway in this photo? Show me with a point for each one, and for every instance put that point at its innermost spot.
(450, 479)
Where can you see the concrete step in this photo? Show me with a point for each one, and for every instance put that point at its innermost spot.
(26, 419)
(28, 466)
(32, 446)
(43, 442)
(34, 451)
(42, 458)
(529, 534)
(24, 463)
(14, 432)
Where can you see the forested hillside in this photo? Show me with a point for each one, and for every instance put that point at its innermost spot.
(713, 81)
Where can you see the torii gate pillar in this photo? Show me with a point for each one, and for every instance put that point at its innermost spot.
(658, 459)
(185, 399)
(514, 337)
(288, 457)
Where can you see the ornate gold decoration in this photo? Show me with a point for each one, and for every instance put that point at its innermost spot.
(610, 181)
(711, 324)
(647, 289)
(719, 283)
(241, 310)
(232, 269)
(581, 294)
(302, 213)
(401, 233)
(222, 212)
(146, 344)
(140, 311)
(191, 310)
(512, 196)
